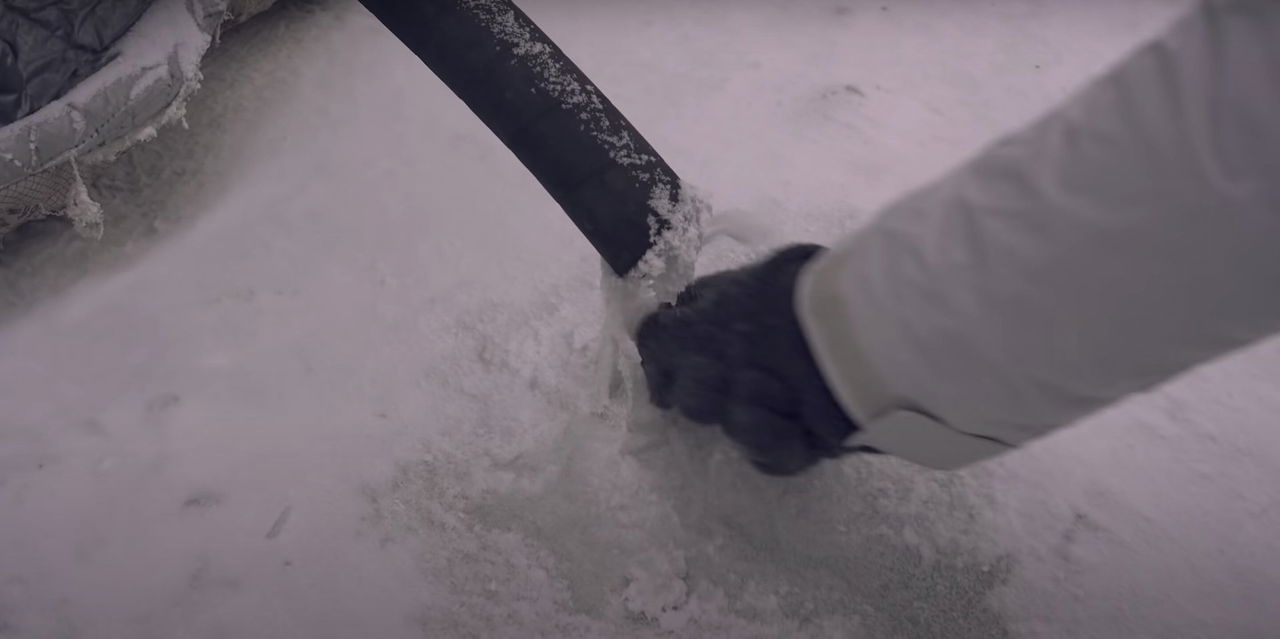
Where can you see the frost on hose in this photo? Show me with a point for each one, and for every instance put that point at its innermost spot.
(675, 238)
(676, 208)
(560, 83)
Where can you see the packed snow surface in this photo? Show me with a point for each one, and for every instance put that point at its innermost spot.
(339, 368)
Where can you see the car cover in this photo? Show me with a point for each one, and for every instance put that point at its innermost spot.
(86, 80)
(47, 47)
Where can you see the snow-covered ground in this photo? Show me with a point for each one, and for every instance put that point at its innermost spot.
(334, 370)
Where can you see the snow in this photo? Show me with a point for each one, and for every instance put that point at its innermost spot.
(338, 367)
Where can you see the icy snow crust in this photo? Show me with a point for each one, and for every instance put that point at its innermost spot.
(351, 373)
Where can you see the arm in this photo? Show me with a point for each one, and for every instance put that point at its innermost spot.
(1128, 236)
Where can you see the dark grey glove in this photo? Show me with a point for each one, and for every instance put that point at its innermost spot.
(730, 351)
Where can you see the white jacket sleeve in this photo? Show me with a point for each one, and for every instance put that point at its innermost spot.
(1124, 238)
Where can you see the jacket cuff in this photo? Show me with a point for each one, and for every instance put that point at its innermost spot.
(886, 420)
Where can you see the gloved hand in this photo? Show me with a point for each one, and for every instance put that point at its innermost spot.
(730, 351)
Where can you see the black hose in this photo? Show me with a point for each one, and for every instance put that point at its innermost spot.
(581, 149)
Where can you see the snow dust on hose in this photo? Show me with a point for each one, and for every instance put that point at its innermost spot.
(611, 182)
